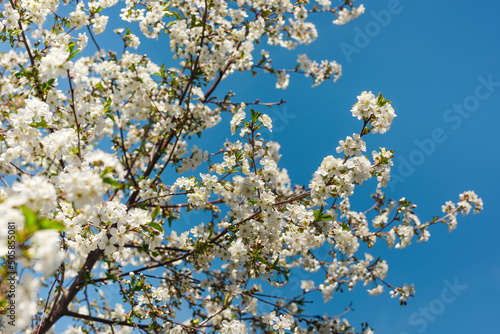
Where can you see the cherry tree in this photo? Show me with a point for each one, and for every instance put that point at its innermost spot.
(100, 168)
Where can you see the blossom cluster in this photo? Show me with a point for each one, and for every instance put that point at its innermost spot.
(375, 109)
(345, 15)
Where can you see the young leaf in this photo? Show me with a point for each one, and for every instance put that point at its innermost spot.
(156, 212)
(156, 226)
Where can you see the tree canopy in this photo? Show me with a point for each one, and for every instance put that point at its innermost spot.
(101, 160)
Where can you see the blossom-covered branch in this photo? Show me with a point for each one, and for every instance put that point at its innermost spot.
(124, 221)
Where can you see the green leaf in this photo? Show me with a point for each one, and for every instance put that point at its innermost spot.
(156, 212)
(325, 217)
(41, 124)
(111, 276)
(107, 105)
(71, 46)
(318, 213)
(73, 54)
(156, 226)
(111, 117)
(171, 218)
(381, 101)
(112, 182)
(177, 16)
(30, 219)
(380, 98)
(51, 224)
(255, 115)
(106, 170)
(47, 85)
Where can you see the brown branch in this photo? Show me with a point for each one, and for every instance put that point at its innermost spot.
(74, 114)
(93, 39)
(68, 295)
(30, 54)
(256, 102)
(104, 321)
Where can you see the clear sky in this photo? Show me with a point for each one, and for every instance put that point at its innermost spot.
(434, 60)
